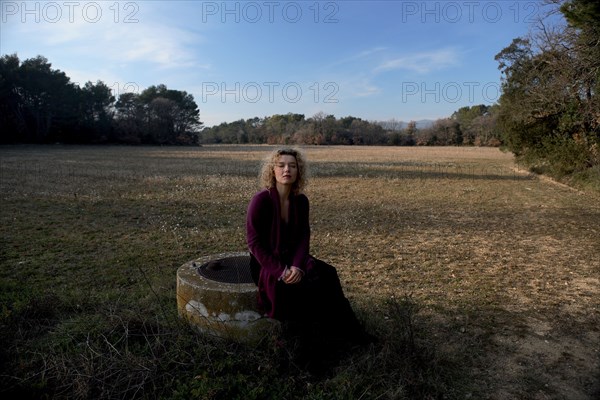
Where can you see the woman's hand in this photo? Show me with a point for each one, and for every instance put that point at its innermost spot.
(293, 275)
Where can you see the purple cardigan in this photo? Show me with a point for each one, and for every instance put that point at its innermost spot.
(264, 236)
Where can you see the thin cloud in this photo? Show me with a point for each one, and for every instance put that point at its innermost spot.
(357, 83)
(363, 88)
(154, 44)
(165, 47)
(367, 53)
(422, 63)
(358, 56)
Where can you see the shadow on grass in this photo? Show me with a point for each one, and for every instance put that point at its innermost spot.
(41, 172)
(113, 352)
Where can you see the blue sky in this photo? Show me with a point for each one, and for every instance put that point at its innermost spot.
(377, 60)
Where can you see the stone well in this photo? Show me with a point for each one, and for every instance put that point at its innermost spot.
(217, 295)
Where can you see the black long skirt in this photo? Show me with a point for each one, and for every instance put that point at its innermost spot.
(318, 302)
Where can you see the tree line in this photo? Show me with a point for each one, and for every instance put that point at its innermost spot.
(467, 126)
(549, 111)
(39, 104)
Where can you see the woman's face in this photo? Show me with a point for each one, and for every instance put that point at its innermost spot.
(286, 169)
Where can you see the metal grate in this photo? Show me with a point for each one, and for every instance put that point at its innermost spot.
(234, 269)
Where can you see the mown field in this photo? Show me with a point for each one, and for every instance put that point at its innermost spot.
(479, 280)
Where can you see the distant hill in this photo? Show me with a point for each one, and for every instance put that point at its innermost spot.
(399, 125)
(424, 123)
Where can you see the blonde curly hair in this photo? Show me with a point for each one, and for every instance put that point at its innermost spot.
(267, 172)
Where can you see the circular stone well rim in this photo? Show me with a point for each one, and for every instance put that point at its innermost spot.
(228, 310)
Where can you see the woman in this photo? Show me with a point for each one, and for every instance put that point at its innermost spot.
(293, 286)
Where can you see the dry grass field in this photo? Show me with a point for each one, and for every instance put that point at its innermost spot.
(493, 272)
